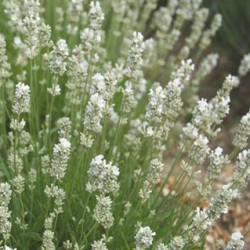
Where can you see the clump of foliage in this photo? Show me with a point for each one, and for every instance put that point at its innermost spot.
(92, 96)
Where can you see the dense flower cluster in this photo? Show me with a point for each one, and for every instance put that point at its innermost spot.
(152, 178)
(22, 99)
(102, 176)
(242, 135)
(102, 212)
(5, 197)
(5, 66)
(144, 238)
(244, 66)
(236, 242)
(58, 56)
(61, 152)
(94, 113)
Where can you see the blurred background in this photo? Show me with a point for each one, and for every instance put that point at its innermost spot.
(232, 42)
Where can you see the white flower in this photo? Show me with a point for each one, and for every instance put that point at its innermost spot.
(55, 90)
(157, 98)
(207, 64)
(58, 57)
(64, 128)
(61, 153)
(201, 220)
(236, 242)
(99, 83)
(100, 244)
(5, 71)
(217, 161)
(5, 194)
(199, 149)
(104, 85)
(220, 202)
(18, 184)
(9, 248)
(102, 211)
(242, 135)
(58, 194)
(241, 174)
(62, 47)
(206, 115)
(177, 243)
(65, 143)
(91, 38)
(200, 17)
(96, 15)
(74, 10)
(102, 176)
(144, 238)
(135, 60)
(48, 237)
(17, 125)
(21, 99)
(94, 113)
(190, 131)
(5, 224)
(244, 65)
(208, 34)
(184, 72)
(152, 178)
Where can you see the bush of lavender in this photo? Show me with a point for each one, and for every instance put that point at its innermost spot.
(93, 95)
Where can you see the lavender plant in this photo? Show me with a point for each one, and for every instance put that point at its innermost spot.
(93, 97)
